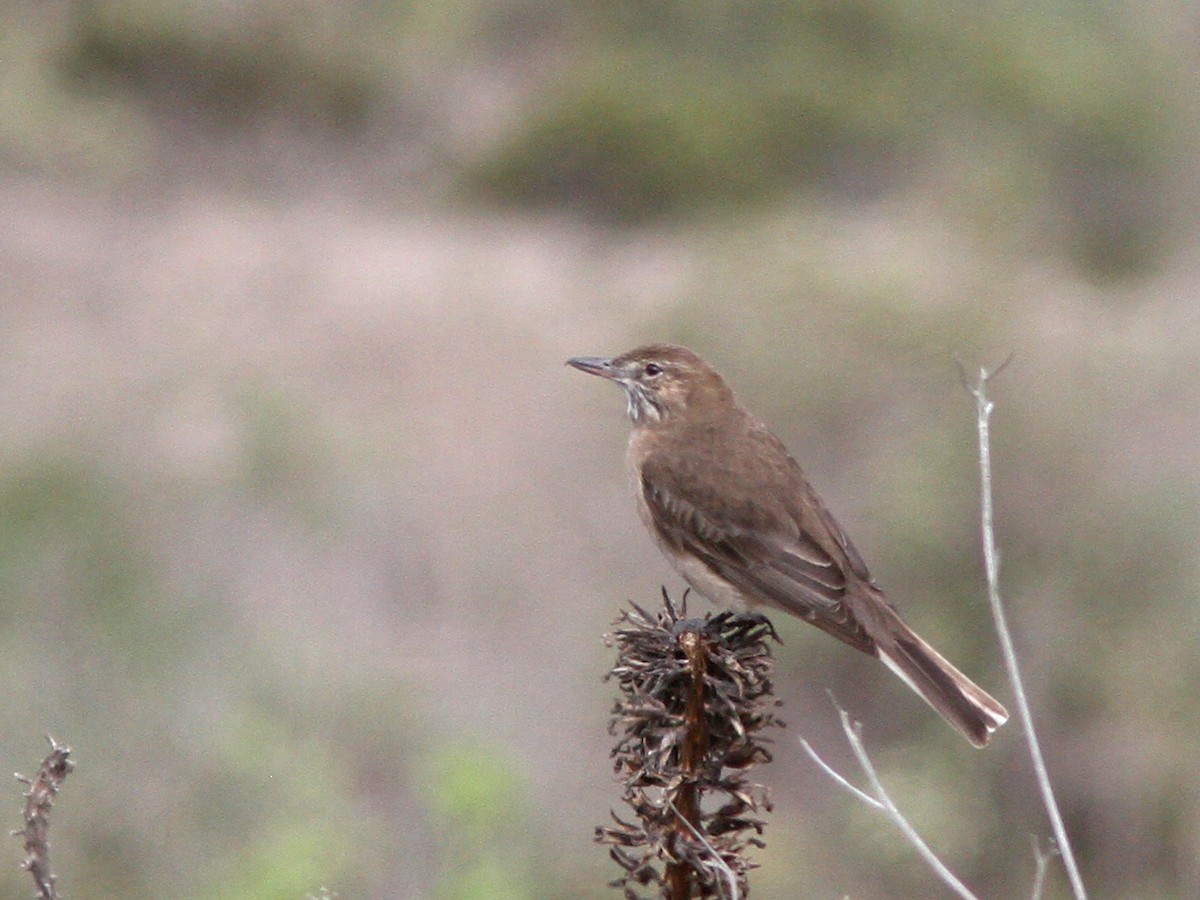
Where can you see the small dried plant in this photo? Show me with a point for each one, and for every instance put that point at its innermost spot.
(43, 788)
(695, 697)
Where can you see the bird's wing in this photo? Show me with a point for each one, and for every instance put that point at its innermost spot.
(773, 561)
(829, 524)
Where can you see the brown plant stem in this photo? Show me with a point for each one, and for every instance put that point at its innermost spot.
(678, 874)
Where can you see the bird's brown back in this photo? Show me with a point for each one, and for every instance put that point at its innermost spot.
(733, 470)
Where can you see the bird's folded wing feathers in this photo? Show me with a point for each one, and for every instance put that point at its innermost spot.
(788, 570)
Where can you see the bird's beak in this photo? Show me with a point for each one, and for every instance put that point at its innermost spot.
(596, 365)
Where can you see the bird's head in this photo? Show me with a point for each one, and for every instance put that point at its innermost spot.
(662, 382)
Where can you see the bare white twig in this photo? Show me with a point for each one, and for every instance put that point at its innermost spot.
(837, 776)
(879, 799)
(991, 556)
(1041, 859)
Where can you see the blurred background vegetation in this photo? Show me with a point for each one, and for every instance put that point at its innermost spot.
(310, 541)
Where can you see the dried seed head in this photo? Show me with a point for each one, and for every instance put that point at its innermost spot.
(695, 697)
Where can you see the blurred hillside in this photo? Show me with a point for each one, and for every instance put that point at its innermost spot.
(310, 539)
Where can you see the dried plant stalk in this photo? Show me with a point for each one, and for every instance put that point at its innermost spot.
(696, 696)
(43, 788)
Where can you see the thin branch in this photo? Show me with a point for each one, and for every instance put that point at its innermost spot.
(1041, 859)
(880, 800)
(991, 556)
(840, 779)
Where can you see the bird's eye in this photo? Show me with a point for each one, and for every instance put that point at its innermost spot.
(653, 369)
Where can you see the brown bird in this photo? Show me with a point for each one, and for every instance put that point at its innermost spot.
(734, 514)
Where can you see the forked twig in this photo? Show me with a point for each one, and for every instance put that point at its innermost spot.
(1041, 859)
(880, 800)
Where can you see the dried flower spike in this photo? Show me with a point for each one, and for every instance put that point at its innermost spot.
(695, 696)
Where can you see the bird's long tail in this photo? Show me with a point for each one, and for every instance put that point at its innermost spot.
(952, 694)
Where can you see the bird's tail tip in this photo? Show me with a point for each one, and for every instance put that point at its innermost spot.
(957, 699)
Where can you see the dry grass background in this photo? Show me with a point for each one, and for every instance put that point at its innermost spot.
(311, 539)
